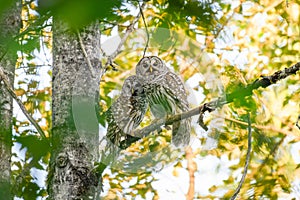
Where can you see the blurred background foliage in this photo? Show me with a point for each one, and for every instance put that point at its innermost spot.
(215, 46)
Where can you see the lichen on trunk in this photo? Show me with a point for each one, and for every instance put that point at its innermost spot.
(10, 24)
(75, 126)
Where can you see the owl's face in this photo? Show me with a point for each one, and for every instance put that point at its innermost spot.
(131, 87)
(151, 65)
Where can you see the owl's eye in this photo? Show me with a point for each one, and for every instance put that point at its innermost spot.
(127, 87)
(145, 65)
(137, 85)
(155, 63)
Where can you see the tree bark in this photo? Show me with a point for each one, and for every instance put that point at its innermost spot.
(10, 23)
(76, 79)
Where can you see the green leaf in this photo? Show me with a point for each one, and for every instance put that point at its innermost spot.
(35, 146)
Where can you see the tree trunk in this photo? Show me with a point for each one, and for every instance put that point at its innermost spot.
(10, 22)
(76, 79)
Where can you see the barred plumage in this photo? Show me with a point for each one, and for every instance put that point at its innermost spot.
(126, 113)
(166, 95)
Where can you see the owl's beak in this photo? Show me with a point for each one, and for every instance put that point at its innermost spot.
(150, 68)
(132, 91)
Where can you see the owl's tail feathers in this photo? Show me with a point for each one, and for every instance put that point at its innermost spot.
(181, 133)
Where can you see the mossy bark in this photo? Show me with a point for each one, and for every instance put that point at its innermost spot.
(75, 126)
(10, 23)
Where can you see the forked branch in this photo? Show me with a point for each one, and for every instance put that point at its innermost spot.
(129, 29)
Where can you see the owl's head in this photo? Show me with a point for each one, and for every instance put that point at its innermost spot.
(131, 87)
(151, 65)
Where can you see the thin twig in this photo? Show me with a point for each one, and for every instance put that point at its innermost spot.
(85, 54)
(29, 28)
(146, 27)
(224, 24)
(7, 84)
(34, 66)
(240, 93)
(237, 191)
(112, 23)
(269, 128)
(129, 29)
(297, 123)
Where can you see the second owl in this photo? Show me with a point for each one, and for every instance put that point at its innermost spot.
(126, 113)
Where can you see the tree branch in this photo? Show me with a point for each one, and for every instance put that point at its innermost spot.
(129, 29)
(241, 93)
(146, 27)
(237, 191)
(85, 55)
(7, 85)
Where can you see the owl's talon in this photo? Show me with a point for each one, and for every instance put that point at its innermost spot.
(111, 63)
(113, 67)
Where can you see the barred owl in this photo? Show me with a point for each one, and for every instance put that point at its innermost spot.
(126, 113)
(166, 95)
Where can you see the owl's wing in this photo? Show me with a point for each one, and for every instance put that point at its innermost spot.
(128, 125)
(113, 131)
(129, 112)
(180, 130)
(174, 83)
(138, 107)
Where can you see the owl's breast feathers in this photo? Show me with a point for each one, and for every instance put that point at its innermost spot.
(166, 92)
